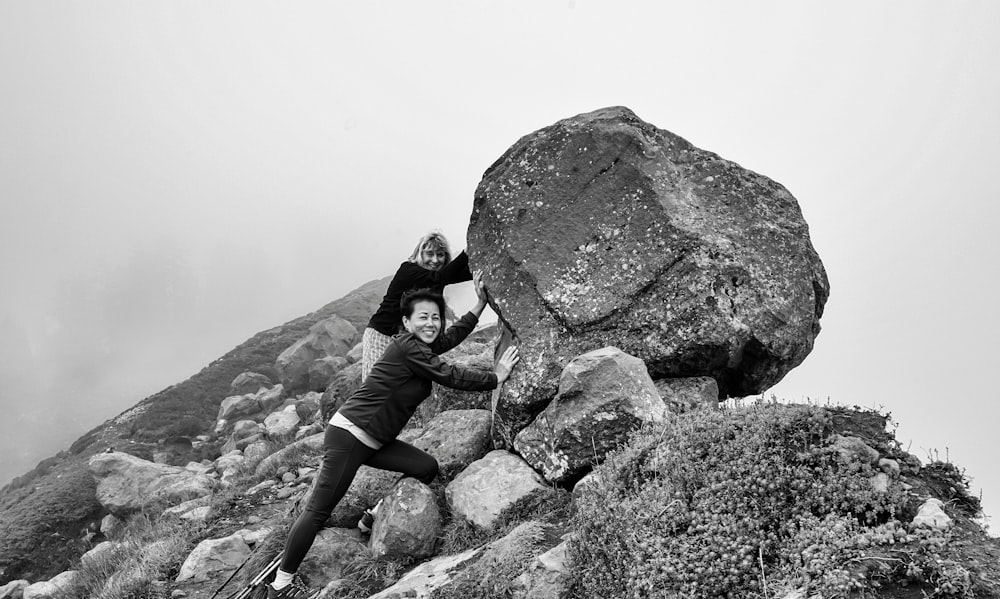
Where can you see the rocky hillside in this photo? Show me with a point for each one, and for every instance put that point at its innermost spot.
(43, 511)
(645, 280)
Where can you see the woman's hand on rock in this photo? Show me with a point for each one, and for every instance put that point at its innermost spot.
(506, 363)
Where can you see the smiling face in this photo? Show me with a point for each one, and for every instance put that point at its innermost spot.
(432, 257)
(425, 321)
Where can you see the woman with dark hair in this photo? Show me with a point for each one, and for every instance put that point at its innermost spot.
(364, 429)
(429, 266)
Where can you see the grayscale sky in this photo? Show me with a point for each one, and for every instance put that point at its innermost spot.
(176, 176)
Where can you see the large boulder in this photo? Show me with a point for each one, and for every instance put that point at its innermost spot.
(490, 485)
(408, 522)
(332, 336)
(603, 396)
(603, 230)
(127, 484)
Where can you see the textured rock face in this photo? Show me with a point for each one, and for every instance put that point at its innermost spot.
(603, 396)
(330, 554)
(686, 394)
(489, 485)
(408, 522)
(604, 230)
(456, 438)
(213, 556)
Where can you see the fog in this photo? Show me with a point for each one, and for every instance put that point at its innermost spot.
(175, 177)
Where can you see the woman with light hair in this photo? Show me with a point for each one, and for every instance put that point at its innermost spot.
(430, 266)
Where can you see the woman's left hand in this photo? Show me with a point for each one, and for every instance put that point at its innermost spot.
(477, 281)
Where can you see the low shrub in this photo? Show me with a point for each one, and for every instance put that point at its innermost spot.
(732, 503)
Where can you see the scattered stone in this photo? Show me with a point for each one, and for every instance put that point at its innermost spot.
(285, 492)
(255, 452)
(430, 575)
(322, 371)
(489, 485)
(603, 396)
(111, 525)
(931, 514)
(214, 557)
(340, 388)
(686, 394)
(249, 382)
(313, 443)
(254, 537)
(890, 467)
(127, 484)
(280, 424)
(853, 448)
(330, 554)
(332, 336)
(183, 508)
(198, 514)
(236, 406)
(261, 486)
(13, 589)
(307, 406)
(880, 482)
(546, 577)
(355, 354)
(54, 588)
(246, 428)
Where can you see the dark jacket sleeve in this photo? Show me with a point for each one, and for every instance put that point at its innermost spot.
(456, 271)
(424, 363)
(455, 334)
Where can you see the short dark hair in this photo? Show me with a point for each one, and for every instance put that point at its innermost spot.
(420, 295)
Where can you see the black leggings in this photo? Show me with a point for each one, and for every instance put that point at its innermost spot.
(343, 455)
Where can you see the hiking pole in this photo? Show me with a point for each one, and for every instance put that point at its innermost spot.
(231, 576)
(258, 579)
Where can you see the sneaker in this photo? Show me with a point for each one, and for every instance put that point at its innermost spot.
(293, 590)
(367, 521)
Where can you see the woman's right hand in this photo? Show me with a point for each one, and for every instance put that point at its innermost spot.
(505, 364)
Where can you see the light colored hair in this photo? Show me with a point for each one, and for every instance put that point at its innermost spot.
(435, 240)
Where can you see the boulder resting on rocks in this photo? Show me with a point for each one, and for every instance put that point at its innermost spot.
(602, 229)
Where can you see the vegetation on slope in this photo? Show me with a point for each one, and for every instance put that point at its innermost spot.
(754, 503)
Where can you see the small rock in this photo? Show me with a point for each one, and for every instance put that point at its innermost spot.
(890, 467)
(880, 482)
(931, 514)
(853, 448)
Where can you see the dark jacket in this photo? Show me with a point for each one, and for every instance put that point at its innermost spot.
(401, 380)
(410, 275)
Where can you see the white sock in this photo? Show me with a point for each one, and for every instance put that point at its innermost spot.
(282, 579)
